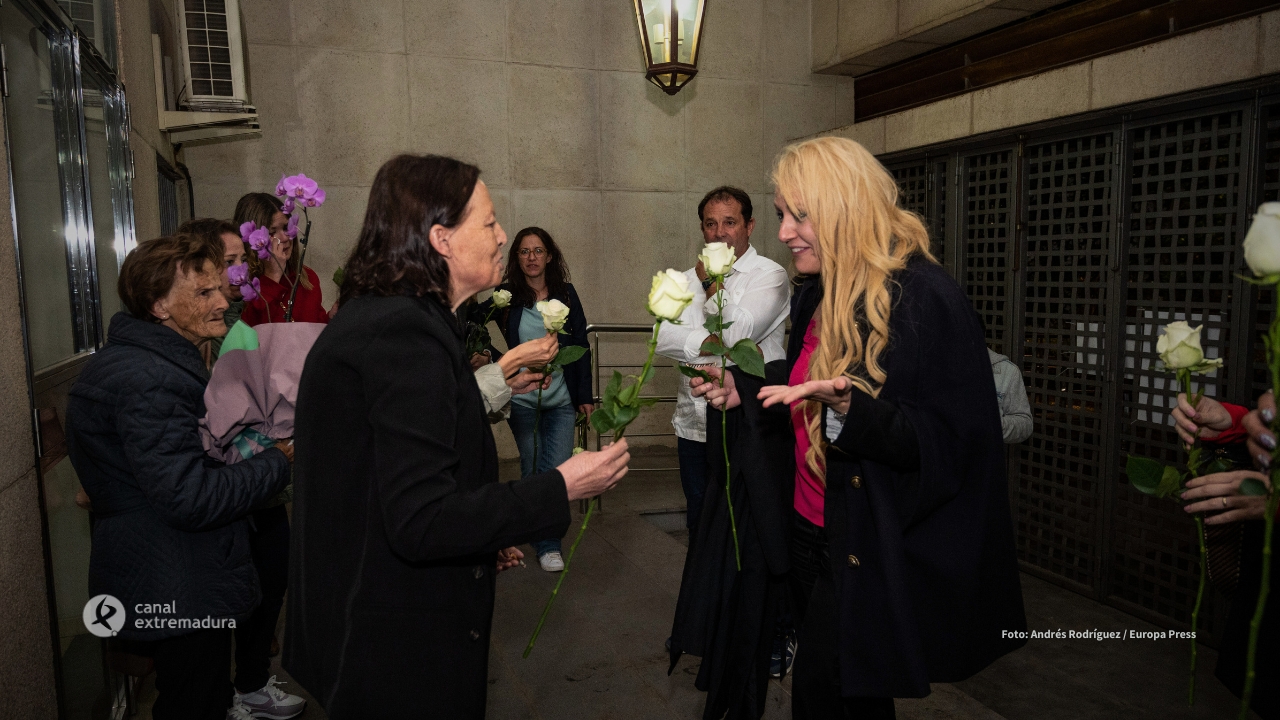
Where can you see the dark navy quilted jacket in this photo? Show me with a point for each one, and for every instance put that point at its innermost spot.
(169, 523)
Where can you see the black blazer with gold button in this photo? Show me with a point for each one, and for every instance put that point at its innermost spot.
(398, 515)
(921, 545)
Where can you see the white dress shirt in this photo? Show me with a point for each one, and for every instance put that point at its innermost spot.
(756, 300)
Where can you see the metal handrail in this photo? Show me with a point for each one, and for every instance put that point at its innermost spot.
(593, 332)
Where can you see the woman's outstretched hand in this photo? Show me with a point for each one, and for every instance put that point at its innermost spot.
(589, 474)
(718, 397)
(1220, 493)
(835, 394)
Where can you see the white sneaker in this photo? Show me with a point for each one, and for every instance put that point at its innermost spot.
(270, 702)
(552, 561)
(238, 711)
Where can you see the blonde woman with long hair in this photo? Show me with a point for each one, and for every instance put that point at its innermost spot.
(903, 570)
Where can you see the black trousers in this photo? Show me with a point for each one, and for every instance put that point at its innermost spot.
(815, 677)
(269, 543)
(191, 676)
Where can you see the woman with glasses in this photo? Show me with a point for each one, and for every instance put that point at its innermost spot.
(279, 272)
(536, 271)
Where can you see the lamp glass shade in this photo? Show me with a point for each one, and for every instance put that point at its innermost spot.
(670, 34)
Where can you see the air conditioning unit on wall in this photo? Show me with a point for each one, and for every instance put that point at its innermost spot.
(213, 56)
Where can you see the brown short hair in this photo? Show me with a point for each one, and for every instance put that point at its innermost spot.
(211, 228)
(147, 273)
(728, 192)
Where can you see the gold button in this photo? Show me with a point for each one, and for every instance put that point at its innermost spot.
(856, 481)
(853, 561)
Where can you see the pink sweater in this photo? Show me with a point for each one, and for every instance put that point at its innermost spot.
(811, 494)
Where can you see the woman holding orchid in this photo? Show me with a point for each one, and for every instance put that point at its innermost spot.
(903, 564)
(542, 303)
(270, 237)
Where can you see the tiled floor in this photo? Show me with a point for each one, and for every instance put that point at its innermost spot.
(601, 655)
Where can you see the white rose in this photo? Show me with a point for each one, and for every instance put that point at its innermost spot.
(554, 313)
(1179, 346)
(717, 259)
(669, 295)
(501, 298)
(1262, 243)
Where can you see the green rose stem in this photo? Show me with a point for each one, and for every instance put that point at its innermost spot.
(724, 430)
(582, 529)
(1193, 465)
(1269, 520)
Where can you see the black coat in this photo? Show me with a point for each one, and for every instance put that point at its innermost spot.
(398, 515)
(936, 578)
(724, 615)
(577, 374)
(168, 521)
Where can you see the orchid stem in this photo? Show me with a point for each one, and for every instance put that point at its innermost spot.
(293, 294)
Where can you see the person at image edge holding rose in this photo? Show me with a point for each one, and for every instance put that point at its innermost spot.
(1245, 436)
(542, 298)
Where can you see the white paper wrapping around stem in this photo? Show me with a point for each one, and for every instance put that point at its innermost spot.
(256, 389)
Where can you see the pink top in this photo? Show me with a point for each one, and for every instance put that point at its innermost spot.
(810, 492)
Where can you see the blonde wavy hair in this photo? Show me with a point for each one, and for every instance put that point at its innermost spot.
(863, 238)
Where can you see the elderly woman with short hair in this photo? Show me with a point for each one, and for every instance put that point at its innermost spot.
(169, 523)
(400, 523)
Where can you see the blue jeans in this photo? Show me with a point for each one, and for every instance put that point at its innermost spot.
(555, 445)
(693, 478)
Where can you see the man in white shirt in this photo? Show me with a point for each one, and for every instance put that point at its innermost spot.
(756, 300)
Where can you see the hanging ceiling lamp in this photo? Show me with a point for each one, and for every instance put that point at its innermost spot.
(670, 31)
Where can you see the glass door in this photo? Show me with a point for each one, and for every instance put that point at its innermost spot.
(66, 128)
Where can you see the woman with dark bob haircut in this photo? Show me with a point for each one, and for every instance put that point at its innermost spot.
(400, 523)
(169, 523)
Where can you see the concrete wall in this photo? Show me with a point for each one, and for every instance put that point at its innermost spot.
(1227, 53)
(549, 98)
(851, 37)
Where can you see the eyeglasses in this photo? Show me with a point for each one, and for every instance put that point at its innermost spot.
(536, 252)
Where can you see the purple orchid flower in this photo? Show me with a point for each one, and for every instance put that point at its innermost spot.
(238, 274)
(316, 199)
(246, 228)
(260, 241)
(292, 229)
(300, 189)
(251, 290)
(288, 206)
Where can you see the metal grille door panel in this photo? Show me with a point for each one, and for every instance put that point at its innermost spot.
(1182, 257)
(988, 188)
(1069, 226)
